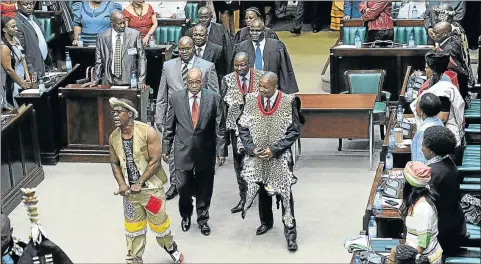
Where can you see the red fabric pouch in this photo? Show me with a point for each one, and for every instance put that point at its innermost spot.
(154, 205)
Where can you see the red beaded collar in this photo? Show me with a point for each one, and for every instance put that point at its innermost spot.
(274, 108)
(251, 86)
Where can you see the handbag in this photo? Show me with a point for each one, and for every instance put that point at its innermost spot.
(472, 209)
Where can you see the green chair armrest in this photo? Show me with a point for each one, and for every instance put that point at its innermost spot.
(387, 95)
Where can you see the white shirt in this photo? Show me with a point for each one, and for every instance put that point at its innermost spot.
(42, 43)
(202, 52)
(167, 9)
(114, 41)
(261, 46)
(271, 100)
(248, 76)
(191, 100)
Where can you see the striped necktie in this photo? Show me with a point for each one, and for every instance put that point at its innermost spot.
(118, 57)
(184, 74)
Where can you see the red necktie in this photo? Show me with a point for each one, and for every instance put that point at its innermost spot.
(244, 86)
(268, 108)
(195, 112)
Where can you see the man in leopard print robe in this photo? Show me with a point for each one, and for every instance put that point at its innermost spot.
(233, 88)
(268, 126)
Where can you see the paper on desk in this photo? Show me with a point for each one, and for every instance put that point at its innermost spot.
(410, 120)
(119, 87)
(30, 91)
(399, 201)
(407, 141)
(401, 146)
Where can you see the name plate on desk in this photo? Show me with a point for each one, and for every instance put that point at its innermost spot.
(119, 87)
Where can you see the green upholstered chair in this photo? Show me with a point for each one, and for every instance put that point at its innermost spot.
(349, 34)
(168, 34)
(401, 35)
(462, 260)
(473, 134)
(472, 115)
(47, 26)
(191, 12)
(369, 82)
(472, 180)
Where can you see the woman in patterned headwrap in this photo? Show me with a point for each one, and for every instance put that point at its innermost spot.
(420, 217)
(251, 14)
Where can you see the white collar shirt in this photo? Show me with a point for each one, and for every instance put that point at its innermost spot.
(271, 100)
(191, 100)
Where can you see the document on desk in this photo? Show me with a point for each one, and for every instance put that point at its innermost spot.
(30, 91)
(119, 87)
(398, 201)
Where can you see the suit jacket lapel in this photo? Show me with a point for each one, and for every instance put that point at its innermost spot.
(265, 55)
(187, 109)
(126, 41)
(252, 53)
(207, 52)
(177, 72)
(26, 23)
(203, 106)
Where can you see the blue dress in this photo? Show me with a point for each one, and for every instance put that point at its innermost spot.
(351, 9)
(417, 143)
(93, 21)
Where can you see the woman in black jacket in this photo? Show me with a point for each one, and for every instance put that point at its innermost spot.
(438, 143)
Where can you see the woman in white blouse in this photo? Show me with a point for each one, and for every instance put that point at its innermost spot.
(419, 213)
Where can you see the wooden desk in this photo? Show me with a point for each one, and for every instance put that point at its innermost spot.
(393, 60)
(21, 167)
(88, 122)
(85, 56)
(400, 155)
(389, 223)
(338, 116)
(48, 115)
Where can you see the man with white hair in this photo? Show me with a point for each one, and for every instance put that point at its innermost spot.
(135, 153)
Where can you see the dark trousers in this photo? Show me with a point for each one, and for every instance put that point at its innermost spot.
(265, 211)
(373, 35)
(458, 154)
(238, 166)
(313, 10)
(200, 181)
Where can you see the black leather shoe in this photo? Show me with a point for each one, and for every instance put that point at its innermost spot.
(315, 30)
(205, 229)
(171, 193)
(263, 229)
(296, 31)
(185, 223)
(238, 207)
(291, 242)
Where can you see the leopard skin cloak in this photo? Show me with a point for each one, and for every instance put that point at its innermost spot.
(266, 129)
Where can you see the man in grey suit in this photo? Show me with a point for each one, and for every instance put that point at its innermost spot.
(174, 79)
(31, 37)
(195, 125)
(118, 53)
(209, 51)
(269, 55)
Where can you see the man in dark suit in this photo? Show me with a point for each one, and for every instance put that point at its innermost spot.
(208, 50)
(31, 37)
(269, 55)
(216, 33)
(119, 52)
(268, 126)
(195, 124)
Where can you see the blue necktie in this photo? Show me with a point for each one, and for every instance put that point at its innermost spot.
(258, 57)
(7, 259)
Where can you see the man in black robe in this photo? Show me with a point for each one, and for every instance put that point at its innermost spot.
(269, 55)
(216, 33)
(434, 14)
(446, 40)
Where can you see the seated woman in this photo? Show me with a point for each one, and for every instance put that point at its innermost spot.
(438, 143)
(14, 71)
(420, 216)
(427, 108)
(92, 18)
(139, 15)
(379, 20)
(452, 103)
(251, 14)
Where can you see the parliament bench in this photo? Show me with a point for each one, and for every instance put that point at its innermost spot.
(473, 115)
(473, 134)
(191, 12)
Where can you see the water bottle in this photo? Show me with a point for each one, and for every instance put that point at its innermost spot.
(378, 201)
(80, 42)
(357, 40)
(152, 41)
(179, 14)
(389, 161)
(414, 13)
(357, 259)
(411, 43)
(133, 80)
(372, 228)
(400, 112)
(44, 6)
(391, 140)
(41, 87)
(409, 94)
(68, 62)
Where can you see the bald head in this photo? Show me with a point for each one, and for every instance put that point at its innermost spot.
(117, 21)
(241, 63)
(194, 80)
(441, 31)
(268, 84)
(205, 15)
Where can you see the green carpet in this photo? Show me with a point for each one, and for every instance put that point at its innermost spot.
(309, 53)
